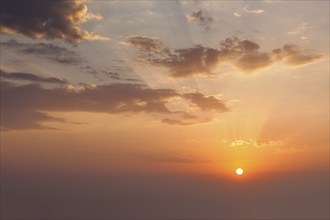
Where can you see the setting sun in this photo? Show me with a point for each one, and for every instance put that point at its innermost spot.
(239, 171)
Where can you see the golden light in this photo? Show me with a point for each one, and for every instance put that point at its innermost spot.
(239, 171)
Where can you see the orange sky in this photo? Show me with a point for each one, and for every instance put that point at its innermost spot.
(155, 103)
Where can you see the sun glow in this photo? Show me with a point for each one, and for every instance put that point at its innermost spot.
(239, 171)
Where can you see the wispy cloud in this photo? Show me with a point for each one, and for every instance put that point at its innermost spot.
(63, 55)
(202, 18)
(301, 30)
(236, 14)
(47, 51)
(170, 158)
(248, 10)
(19, 76)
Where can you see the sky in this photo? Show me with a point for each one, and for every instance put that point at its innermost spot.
(145, 109)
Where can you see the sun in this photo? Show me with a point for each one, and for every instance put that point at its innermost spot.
(239, 171)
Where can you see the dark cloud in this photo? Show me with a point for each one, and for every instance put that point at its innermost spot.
(181, 122)
(34, 101)
(245, 55)
(181, 62)
(26, 119)
(186, 118)
(45, 51)
(206, 103)
(47, 19)
(202, 18)
(191, 61)
(113, 73)
(65, 56)
(145, 43)
(253, 62)
(116, 76)
(171, 121)
(241, 53)
(30, 77)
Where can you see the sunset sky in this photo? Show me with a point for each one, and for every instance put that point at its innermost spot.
(145, 109)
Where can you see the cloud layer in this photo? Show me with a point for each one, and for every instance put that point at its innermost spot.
(47, 19)
(26, 106)
(200, 60)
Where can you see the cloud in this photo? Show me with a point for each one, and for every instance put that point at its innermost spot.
(170, 158)
(26, 119)
(301, 29)
(34, 102)
(116, 76)
(202, 18)
(62, 56)
(295, 55)
(171, 121)
(253, 62)
(180, 122)
(45, 51)
(186, 118)
(244, 54)
(204, 61)
(252, 143)
(198, 60)
(47, 19)
(146, 44)
(206, 103)
(19, 76)
(236, 14)
(253, 11)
